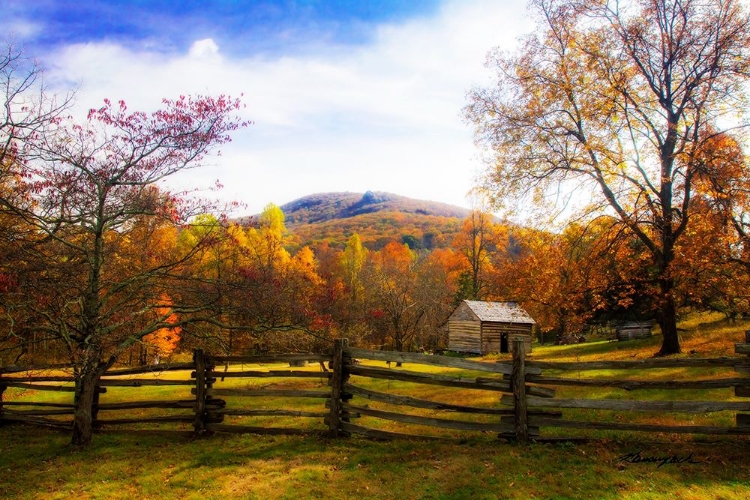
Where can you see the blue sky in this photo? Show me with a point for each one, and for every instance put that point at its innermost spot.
(344, 95)
(238, 26)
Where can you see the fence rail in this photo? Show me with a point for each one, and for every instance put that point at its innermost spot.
(220, 394)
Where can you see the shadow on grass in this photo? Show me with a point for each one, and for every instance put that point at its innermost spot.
(39, 463)
(597, 349)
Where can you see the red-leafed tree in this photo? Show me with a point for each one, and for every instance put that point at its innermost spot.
(90, 186)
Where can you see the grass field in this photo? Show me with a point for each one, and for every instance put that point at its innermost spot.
(38, 463)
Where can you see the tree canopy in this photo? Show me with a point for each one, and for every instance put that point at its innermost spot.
(618, 100)
(80, 193)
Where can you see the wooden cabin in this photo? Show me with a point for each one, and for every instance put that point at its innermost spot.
(630, 330)
(484, 327)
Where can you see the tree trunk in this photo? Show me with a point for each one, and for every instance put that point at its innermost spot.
(83, 425)
(399, 346)
(670, 343)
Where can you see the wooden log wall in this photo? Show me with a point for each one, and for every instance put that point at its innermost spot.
(464, 336)
(492, 334)
(634, 330)
(473, 336)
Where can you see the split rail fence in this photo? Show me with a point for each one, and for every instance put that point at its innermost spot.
(350, 394)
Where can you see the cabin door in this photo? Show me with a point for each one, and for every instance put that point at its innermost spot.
(503, 342)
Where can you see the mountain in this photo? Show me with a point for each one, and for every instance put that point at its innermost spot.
(322, 207)
(377, 217)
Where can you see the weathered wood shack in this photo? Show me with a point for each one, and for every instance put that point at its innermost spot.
(484, 327)
(630, 330)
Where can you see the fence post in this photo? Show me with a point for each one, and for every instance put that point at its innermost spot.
(337, 382)
(200, 391)
(95, 406)
(743, 419)
(2, 390)
(210, 402)
(518, 382)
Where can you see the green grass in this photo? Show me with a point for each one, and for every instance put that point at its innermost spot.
(39, 463)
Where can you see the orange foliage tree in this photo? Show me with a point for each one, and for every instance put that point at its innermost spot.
(614, 100)
(163, 341)
(587, 274)
(406, 297)
(479, 236)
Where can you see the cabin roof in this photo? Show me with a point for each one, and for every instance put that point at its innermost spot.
(499, 312)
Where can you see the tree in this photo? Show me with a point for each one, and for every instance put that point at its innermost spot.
(708, 272)
(545, 276)
(435, 290)
(585, 274)
(265, 298)
(26, 107)
(725, 185)
(163, 341)
(399, 297)
(477, 237)
(352, 260)
(25, 110)
(613, 99)
(713, 258)
(350, 269)
(220, 251)
(89, 185)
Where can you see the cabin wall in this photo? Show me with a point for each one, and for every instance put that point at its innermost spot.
(466, 333)
(464, 336)
(634, 330)
(492, 336)
(484, 338)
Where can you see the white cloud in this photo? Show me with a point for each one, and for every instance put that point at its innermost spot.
(23, 29)
(383, 116)
(204, 48)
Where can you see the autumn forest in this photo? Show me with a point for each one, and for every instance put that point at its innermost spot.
(102, 264)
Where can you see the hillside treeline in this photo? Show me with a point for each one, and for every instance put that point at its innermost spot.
(237, 289)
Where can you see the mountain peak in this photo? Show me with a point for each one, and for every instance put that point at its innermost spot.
(378, 217)
(369, 197)
(321, 207)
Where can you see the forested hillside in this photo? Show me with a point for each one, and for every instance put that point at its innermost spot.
(322, 207)
(378, 218)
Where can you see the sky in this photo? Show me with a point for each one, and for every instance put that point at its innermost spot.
(343, 95)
